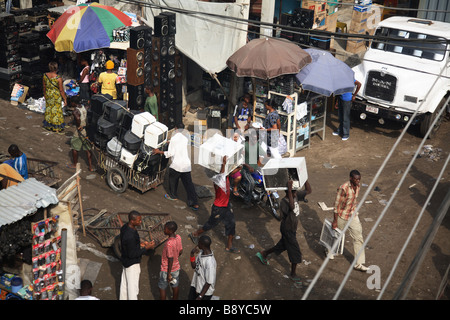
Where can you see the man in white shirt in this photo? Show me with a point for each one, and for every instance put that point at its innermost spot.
(180, 167)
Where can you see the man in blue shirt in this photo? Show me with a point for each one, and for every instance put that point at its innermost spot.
(344, 103)
(18, 160)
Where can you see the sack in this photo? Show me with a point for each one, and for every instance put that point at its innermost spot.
(282, 145)
(94, 87)
(93, 77)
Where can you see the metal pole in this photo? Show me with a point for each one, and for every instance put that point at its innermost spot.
(63, 258)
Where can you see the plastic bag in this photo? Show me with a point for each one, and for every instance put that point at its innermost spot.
(221, 181)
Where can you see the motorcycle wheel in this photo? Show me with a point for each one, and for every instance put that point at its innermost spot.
(273, 206)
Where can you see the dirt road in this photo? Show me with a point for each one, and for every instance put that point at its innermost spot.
(242, 276)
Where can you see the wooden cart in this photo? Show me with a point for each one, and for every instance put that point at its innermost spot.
(105, 228)
(119, 176)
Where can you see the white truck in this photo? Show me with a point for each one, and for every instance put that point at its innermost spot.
(399, 76)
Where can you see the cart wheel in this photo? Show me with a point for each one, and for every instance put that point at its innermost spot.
(117, 180)
(116, 247)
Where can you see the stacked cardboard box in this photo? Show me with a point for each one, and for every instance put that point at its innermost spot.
(320, 11)
(364, 21)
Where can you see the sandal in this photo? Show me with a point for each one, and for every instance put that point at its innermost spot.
(71, 166)
(195, 208)
(169, 198)
(232, 250)
(193, 238)
(236, 193)
(296, 280)
(261, 258)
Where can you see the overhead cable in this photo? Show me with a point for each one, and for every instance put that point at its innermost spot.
(369, 188)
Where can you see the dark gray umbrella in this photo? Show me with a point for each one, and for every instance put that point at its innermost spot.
(267, 58)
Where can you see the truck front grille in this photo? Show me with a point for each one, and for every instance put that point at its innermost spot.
(380, 86)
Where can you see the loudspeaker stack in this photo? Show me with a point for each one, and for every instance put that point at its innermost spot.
(139, 66)
(301, 18)
(166, 65)
(10, 61)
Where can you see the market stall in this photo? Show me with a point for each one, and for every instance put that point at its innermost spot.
(24, 206)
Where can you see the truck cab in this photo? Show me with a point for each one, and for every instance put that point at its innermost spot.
(405, 70)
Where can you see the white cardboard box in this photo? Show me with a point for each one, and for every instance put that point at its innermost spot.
(212, 151)
(277, 172)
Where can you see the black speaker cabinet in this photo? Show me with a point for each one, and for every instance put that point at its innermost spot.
(178, 68)
(156, 48)
(135, 66)
(167, 72)
(140, 37)
(172, 22)
(320, 42)
(303, 18)
(286, 20)
(156, 72)
(161, 25)
(164, 47)
(136, 96)
(171, 50)
(148, 67)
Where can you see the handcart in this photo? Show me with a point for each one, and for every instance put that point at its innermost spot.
(119, 176)
(42, 170)
(105, 227)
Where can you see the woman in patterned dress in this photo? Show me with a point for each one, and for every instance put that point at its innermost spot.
(54, 95)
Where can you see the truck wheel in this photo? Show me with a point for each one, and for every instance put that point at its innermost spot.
(429, 118)
(117, 180)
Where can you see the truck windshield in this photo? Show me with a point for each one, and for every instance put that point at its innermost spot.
(426, 46)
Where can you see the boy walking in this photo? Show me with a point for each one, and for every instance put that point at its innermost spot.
(79, 142)
(288, 228)
(204, 279)
(170, 265)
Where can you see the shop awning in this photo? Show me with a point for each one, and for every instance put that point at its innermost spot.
(202, 37)
(17, 202)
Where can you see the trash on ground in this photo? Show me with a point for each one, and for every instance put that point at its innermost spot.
(324, 207)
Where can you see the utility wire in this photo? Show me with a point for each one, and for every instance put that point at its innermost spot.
(245, 21)
(414, 227)
(398, 185)
(370, 187)
(411, 273)
(387, 158)
(372, 38)
(382, 7)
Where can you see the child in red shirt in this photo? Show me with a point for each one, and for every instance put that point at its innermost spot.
(170, 265)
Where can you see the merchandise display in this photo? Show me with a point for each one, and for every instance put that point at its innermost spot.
(46, 260)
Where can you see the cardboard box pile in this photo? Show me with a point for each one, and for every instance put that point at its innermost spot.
(364, 21)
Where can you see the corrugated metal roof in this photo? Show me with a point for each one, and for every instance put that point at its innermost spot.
(16, 202)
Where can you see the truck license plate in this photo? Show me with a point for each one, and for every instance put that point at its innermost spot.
(372, 109)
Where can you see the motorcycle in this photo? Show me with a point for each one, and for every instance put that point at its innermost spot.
(267, 200)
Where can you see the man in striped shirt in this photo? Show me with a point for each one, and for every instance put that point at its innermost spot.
(344, 208)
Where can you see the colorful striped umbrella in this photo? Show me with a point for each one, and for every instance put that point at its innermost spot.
(86, 27)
